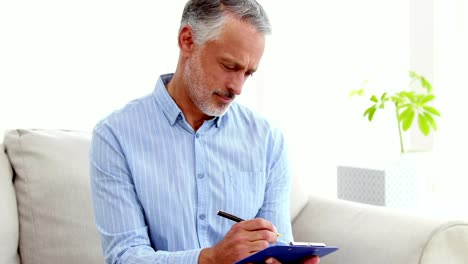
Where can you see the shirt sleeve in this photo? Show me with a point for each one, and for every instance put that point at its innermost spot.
(276, 204)
(118, 213)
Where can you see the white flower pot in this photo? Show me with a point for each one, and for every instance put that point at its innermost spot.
(398, 185)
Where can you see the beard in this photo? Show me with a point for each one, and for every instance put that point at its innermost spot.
(199, 93)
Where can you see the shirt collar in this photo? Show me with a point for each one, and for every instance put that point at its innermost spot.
(167, 103)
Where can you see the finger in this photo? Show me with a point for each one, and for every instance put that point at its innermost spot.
(239, 231)
(272, 261)
(256, 246)
(311, 260)
(264, 235)
(258, 224)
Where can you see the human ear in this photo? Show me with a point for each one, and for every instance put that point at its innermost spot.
(186, 42)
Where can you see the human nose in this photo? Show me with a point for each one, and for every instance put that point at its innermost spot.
(236, 82)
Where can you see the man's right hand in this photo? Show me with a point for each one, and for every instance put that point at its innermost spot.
(242, 240)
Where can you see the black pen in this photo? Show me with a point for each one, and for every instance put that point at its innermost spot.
(234, 218)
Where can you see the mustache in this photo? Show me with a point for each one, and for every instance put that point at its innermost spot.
(225, 93)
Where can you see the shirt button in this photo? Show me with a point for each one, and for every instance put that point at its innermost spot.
(197, 135)
(202, 217)
(201, 175)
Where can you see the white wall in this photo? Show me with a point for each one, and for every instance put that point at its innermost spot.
(67, 64)
(451, 69)
(320, 51)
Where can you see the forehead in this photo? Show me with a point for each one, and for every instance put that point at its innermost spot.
(239, 41)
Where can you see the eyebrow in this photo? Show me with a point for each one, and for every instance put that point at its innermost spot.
(237, 65)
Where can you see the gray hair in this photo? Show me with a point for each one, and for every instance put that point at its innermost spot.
(206, 17)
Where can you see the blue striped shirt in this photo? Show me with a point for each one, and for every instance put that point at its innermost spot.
(157, 184)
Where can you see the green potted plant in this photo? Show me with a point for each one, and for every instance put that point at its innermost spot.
(399, 184)
(410, 104)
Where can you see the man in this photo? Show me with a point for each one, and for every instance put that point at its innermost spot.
(163, 165)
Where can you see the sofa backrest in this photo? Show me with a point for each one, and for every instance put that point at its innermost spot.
(9, 230)
(53, 196)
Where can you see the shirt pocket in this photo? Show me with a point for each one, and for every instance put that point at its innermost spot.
(245, 193)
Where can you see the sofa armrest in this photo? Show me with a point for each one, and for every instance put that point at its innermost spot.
(371, 234)
(9, 227)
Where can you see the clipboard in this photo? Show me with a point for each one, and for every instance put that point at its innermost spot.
(288, 253)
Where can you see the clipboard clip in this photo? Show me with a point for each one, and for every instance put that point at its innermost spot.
(309, 244)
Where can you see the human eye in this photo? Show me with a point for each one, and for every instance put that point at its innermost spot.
(249, 74)
(228, 67)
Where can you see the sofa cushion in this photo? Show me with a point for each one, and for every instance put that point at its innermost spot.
(372, 234)
(9, 220)
(54, 196)
(299, 196)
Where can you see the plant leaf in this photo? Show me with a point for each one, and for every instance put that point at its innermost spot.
(401, 106)
(422, 80)
(359, 92)
(374, 99)
(426, 84)
(418, 98)
(405, 114)
(370, 112)
(431, 110)
(367, 111)
(410, 96)
(423, 124)
(430, 120)
(407, 119)
(383, 97)
(427, 98)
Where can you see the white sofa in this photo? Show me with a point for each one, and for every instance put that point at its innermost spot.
(47, 213)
